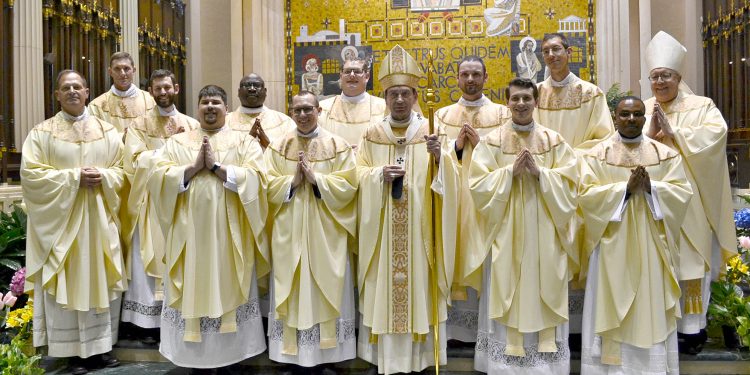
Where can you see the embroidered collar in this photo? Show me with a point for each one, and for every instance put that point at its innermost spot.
(251, 111)
(355, 99)
(169, 111)
(68, 117)
(474, 103)
(129, 93)
(400, 123)
(412, 130)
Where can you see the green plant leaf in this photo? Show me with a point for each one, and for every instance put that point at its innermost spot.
(12, 264)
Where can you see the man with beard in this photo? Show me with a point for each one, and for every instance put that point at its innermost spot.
(141, 233)
(523, 181)
(311, 192)
(208, 185)
(693, 126)
(262, 122)
(71, 175)
(578, 111)
(124, 102)
(465, 122)
(349, 114)
(395, 227)
(634, 196)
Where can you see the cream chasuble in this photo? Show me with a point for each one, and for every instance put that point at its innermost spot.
(471, 239)
(637, 290)
(215, 236)
(395, 252)
(275, 124)
(120, 111)
(527, 233)
(578, 111)
(700, 136)
(146, 135)
(349, 119)
(73, 246)
(310, 231)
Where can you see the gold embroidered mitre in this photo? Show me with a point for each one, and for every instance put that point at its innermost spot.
(664, 51)
(399, 69)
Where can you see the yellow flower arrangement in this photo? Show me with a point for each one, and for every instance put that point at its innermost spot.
(20, 317)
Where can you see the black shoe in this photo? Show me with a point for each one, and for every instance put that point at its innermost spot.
(109, 360)
(691, 343)
(77, 366)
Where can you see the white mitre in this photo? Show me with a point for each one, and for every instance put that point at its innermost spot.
(664, 51)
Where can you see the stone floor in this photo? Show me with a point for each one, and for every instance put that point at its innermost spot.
(141, 359)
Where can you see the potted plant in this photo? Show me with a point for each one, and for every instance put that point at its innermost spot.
(17, 354)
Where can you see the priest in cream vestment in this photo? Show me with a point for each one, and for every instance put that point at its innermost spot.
(124, 102)
(523, 181)
(474, 116)
(209, 185)
(71, 175)
(312, 186)
(141, 233)
(395, 228)
(693, 126)
(349, 114)
(634, 196)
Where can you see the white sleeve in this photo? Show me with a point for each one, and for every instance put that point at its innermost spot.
(617, 216)
(653, 203)
(231, 182)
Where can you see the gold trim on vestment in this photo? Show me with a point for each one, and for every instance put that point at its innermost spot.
(693, 294)
(323, 147)
(400, 263)
(571, 96)
(538, 141)
(90, 130)
(645, 153)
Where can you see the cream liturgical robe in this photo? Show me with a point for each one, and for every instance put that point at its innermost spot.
(578, 111)
(215, 246)
(395, 252)
(349, 117)
(700, 136)
(121, 111)
(145, 135)
(632, 301)
(484, 116)
(275, 124)
(309, 243)
(527, 252)
(75, 265)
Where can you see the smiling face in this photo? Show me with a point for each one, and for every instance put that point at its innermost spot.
(305, 111)
(212, 112)
(72, 93)
(556, 55)
(664, 84)
(252, 91)
(121, 71)
(471, 79)
(521, 103)
(630, 116)
(400, 100)
(354, 77)
(164, 91)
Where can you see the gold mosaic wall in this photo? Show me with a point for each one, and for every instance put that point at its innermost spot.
(322, 33)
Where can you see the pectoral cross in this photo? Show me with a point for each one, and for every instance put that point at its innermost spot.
(400, 160)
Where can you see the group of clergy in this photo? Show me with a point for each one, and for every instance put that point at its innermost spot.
(357, 231)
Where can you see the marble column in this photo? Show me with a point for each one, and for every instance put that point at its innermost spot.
(28, 68)
(129, 22)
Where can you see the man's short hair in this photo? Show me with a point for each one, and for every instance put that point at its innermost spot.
(212, 90)
(307, 92)
(628, 97)
(66, 72)
(161, 73)
(120, 56)
(523, 83)
(472, 58)
(562, 37)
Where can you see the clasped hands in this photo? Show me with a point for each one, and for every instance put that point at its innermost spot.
(205, 159)
(304, 172)
(467, 133)
(639, 180)
(257, 132)
(525, 164)
(90, 177)
(659, 128)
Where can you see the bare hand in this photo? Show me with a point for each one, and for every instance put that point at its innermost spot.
(391, 172)
(258, 132)
(180, 129)
(461, 139)
(635, 182)
(519, 166)
(433, 146)
(208, 154)
(654, 126)
(90, 177)
(306, 169)
(472, 135)
(531, 166)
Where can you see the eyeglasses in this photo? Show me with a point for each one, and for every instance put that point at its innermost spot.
(303, 110)
(248, 85)
(665, 76)
(556, 50)
(356, 72)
